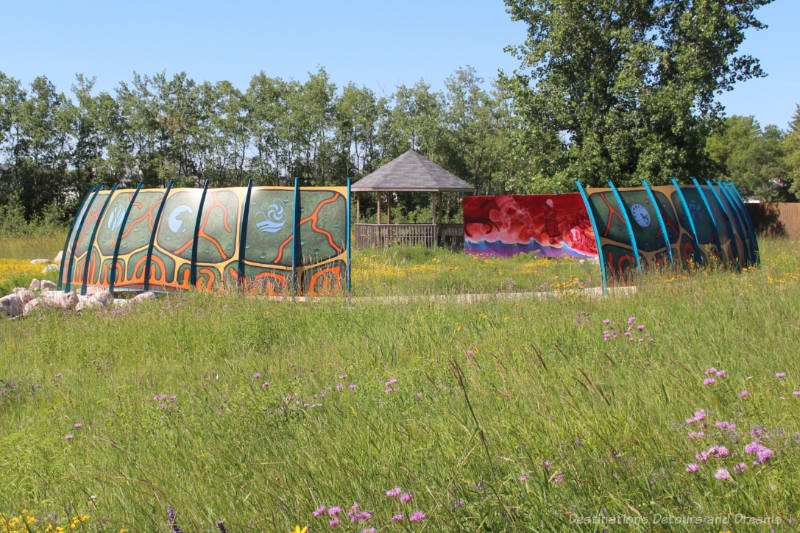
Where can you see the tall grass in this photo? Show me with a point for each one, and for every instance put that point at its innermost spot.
(504, 416)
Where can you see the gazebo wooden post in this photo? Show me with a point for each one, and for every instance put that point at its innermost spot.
(388, 207)
(358, 208)
(379, 207)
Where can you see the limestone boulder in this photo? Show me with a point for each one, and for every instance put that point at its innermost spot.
(35, 285)
(11, 305)
(39, 261)
(47, 285)
(31, 307)
(59, 255)
(50, 268)
(58, 299)
(87, 303)
(143, 297)
(24, 294)
(103, 297)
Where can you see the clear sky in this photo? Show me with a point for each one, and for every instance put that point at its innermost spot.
(375, 43)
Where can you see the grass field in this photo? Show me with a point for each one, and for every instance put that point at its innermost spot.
(498, 416)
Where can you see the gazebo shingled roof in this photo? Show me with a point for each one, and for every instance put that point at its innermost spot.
(411, 172)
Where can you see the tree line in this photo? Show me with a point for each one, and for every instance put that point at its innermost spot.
(156, 128)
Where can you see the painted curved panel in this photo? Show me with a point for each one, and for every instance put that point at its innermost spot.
(542, 224)
(322, 235)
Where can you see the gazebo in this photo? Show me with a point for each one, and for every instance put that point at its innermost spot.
(410, 172)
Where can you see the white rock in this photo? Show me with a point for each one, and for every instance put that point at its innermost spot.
(87, 302)
(142, 297)
(24, 294)
(35, 285)
(50, 268)
(39, 261)
(32, 306)
(103, 297)
(11, 305)
(59, 255)
(120, 302)
(62, 300)
(47, 285)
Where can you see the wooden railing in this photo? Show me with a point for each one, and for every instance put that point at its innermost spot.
(382, 235)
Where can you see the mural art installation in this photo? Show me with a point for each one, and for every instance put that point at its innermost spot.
(634, 228)
(269, 240)
(554, 225)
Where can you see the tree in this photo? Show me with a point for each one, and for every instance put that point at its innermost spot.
(791, 149)
(624, 89)
(751, 157)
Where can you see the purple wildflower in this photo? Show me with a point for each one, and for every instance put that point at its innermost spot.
(722, 474)
(397, 517)
(692, 467)
(393, 493)
(417, 516)
(406, 497)
(319, 511)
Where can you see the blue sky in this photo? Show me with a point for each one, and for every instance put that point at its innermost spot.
(377, 44)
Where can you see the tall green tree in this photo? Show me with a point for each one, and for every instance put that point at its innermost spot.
(624, 89)
(791, 151)
(751, 157)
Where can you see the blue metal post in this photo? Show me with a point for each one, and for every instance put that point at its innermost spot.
(747, 253)
(748, 220)
(193, 265)
(91, 240)
(295, 246)
(714, 228)
(68, 285)
(596, 235)
(156, 221)
(624, 209)
(347, 243)
(727, 222)
(698, 257)
(744, 229)
(113, 273)
(66, 242)
(243, 235)
(660, 221)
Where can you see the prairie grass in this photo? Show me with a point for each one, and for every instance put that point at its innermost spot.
(504, 415)
(31, 247)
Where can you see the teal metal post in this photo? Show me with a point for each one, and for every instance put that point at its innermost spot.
(113, 274)
(94, 235)
(733, 203)
(728, 223)
(747, 253)
(698, 257)
(596, 236)
(714, 228)
(295, 246)
(156, 221)
(193, 266)
(243, 235)
(747, 219)
(660, 221)
(627, 223)
(66, 242)
(68, 286)
(347, 242)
